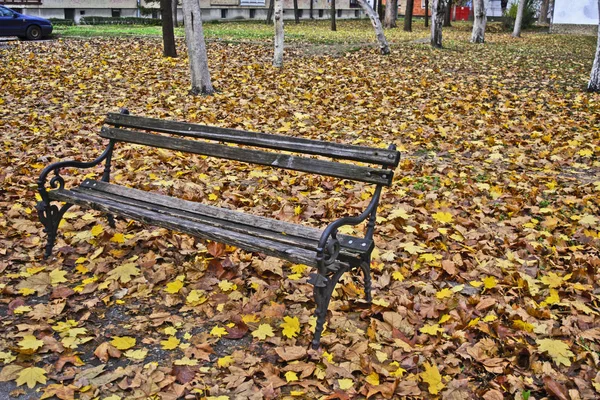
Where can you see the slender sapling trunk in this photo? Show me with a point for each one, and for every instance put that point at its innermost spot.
(438, 8)
(384, 48)
(333, 24)
(519, 20)
(479, 22)
(594, 84)
(390, 17)
(194, 37)
(169, 49)
(408, 14)
(278, 18)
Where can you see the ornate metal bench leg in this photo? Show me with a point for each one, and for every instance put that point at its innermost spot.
(111, 221)
(365, 266)
(50, 216)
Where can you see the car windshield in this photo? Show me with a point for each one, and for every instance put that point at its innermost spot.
(5, 12)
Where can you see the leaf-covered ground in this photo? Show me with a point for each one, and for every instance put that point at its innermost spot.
(486, 269)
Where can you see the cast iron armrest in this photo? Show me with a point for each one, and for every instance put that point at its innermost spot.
(58, 182)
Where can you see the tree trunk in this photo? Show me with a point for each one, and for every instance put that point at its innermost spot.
(503, 5)
(174, 7)
(408, 15)
(311, 9)
(448, 14)
(543, 19)
(270, 12)
(333, 24)
(594, 84)
(194, 38)
(384, 48)
(169, 49)
(278, 55)
(390, 19)
(426, 13)
(380, 10)
(296, 14)
(519, 20)
(479, 22)
(438, 8)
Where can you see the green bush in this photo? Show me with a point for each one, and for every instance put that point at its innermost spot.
(531, 7)
(65, 22)
(118, 21)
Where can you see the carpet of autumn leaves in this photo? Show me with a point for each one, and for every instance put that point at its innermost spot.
(487, 263)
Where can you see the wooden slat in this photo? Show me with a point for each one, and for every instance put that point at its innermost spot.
(285, 161)
(382, 157)
(282, 231)
(203, 231)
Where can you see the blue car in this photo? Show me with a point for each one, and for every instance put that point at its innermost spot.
(24, 26)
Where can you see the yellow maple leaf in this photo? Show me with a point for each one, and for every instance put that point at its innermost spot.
(490, 282)
(57, 276)
(97, 230)
(174, 287)
(399, 213)
(30, 342)
(445, 292)
(138, 355)
(171, 343)
(431, 376)
(345, 384)
(553, 298)
(170, 330)
(297, 210)
(31, 376)
(263, 331)
(554, 280)
(123, 342)
(588, 220)
(397, 276)
(186, 361)
(195, 298)
(118, 238)
(218, 331)
(373, 378)
(585, 152)
(291, 376)
(443, 217)
(26, 291)
(225, 361)
(6, 357)
(522, 325)
(411, 248)
(557, 349)
(22, 310)
(249, 318)
(432, 329)
(124, 272)
(291, 327)
(226, 286)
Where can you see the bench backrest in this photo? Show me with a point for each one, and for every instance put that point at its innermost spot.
(386, 158)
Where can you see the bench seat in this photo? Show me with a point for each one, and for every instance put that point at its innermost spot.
(295, 243)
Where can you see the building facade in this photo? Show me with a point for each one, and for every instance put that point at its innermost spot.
(575, 16)
(211, 9)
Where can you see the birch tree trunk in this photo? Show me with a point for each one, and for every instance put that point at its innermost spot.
(543, 19)
(594, 84)
(174, 5)
(408, 14)
(390, 20)
(479, 22)
(438, 8)
(278, 20)
(384, 48)
(519, 20)
(194, 38)
(169, 49)
(333, 24)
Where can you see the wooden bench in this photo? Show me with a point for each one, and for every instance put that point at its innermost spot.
(329, 252)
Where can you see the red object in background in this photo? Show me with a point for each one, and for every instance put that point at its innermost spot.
(462, 13)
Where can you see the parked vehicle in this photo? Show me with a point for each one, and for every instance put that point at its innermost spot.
(24, 26)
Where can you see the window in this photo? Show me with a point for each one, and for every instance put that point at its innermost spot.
(116, 13)
(252, 3)
(5, 12)
(252, 13)
(356, 13)
(224, 13)
(321, 13)
(300, 12)
(82, 12)
(354, 4)
(339, 13)
(423, 4)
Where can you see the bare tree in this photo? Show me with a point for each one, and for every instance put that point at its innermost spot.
(480, 20)
(519, 20)
(296, 13)
(169, 49)
(594, 84)
(278, 18)
(543, 19)
(311, 8)
(438, 7)
(448, 14)
(408, 14)
(270, 12)
(426, 13)
(390, 16)
(174, 7)
(333, 24)
(384, 48)
(194, 38)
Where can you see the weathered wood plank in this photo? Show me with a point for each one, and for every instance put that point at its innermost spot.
(365, 154)
(203, 231)
(301, 235)
(285, 161)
